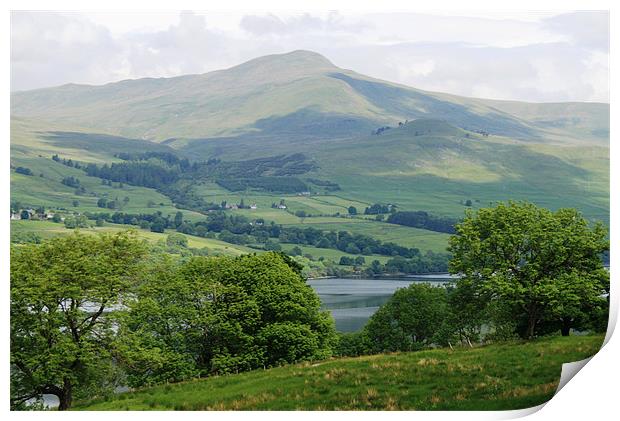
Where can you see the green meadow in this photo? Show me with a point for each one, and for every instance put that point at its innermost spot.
(494, 377)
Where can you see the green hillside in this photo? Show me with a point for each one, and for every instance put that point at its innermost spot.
(495, 377)
(429, 151)
(300, 91)
(429, 164)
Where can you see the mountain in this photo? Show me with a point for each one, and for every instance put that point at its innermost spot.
(380, 142)
(300, 92)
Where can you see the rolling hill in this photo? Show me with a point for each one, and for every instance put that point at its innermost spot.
(440, 150)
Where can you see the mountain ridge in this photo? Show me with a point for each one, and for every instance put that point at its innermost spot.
(233, 101)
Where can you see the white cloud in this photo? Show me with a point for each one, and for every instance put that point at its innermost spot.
(526, 56)
(305, 23)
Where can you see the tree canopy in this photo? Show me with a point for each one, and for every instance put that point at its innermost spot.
(410, 320)
(61, 293)
(534, 267)
(216, 316)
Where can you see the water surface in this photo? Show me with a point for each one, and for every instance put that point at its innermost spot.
(352, 301)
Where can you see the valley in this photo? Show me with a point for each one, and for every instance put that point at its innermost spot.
(293, 140)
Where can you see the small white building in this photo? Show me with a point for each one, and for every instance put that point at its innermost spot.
(281, 206)
(253, 206)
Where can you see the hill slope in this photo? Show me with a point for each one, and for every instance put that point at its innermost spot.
(497, 377)
(297, 89)
(452, 149)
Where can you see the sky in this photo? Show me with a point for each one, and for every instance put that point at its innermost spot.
(528, 56)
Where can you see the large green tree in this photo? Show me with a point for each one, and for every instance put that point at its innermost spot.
(221, 315)
(61, 294)
(534, 265)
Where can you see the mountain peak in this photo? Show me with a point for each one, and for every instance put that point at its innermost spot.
(305, 55)
(291, 65)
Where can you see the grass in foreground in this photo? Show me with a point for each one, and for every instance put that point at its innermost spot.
(495, 377)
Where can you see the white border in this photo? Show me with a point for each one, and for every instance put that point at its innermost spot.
(593, 392)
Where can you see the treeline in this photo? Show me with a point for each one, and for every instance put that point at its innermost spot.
(68, 162)
(270, 184)
(162, 171)
(424, 220)
(328, 185)
(23, 170)
(167, 157)
(146, 174)
(428, 262)
(237, 229)
(260, 232)
(378, 209)
(275, 166)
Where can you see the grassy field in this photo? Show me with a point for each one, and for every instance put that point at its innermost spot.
(495, 377)
(46, 229)
(332, 254)
(405, 236)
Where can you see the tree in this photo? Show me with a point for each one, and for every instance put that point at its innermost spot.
(75, 203)
(532, 264)
(296, 251)
(23, 170)
(221, 315)
(176, 240)
(61, 291)
(78, 221)
(158, 224)
(102, 202)
(178, 219)
(410, 320)
(24, 214)
(352, 210)
(71, 181)
(201, 231)
(346, 261)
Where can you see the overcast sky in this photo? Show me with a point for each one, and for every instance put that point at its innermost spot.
(537, 56)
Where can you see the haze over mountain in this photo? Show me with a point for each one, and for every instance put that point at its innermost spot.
(298, 91)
